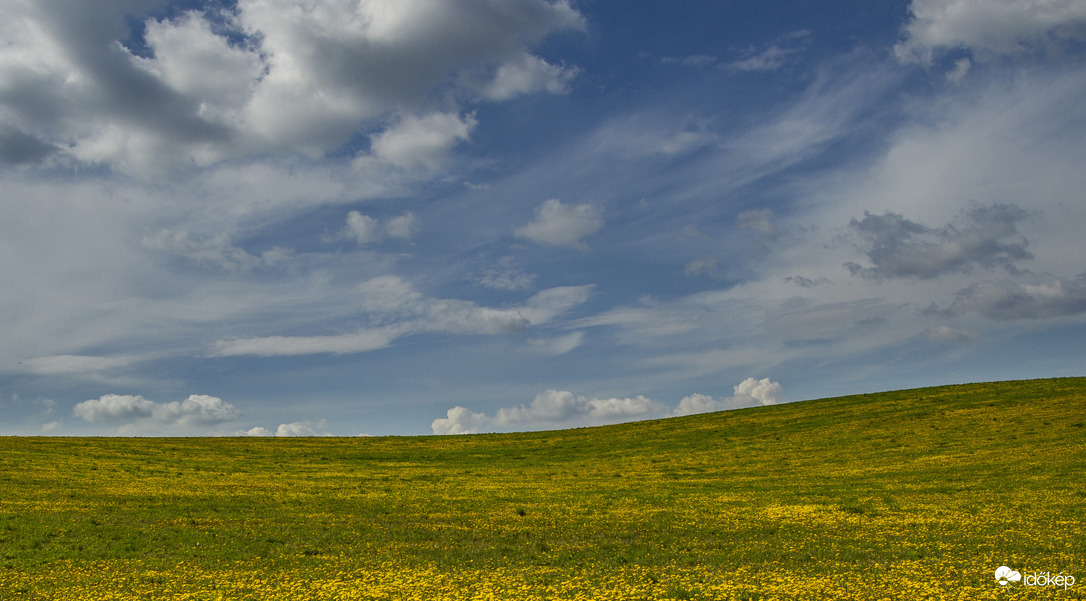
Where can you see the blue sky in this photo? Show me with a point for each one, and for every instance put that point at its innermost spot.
(416, 217)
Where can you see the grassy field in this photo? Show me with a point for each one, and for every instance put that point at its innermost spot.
(916, 494)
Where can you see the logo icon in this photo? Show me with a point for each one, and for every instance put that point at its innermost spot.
(1005, 575)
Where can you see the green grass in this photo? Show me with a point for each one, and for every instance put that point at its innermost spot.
(951, 481)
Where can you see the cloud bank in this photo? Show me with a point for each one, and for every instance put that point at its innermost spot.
(563, 409)
(136, 413)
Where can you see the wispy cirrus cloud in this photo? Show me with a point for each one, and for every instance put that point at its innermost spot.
(399, 310)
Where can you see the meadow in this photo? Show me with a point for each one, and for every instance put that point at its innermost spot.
(914, 494)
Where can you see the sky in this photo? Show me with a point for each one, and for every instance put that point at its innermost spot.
(282, 217)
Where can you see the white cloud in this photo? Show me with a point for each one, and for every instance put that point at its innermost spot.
(272, 76)
(115, 407)
(683, 143)
(557, 346)
(989, 27)
(526, 74)
(196, 410)
(550, 303)
(751, 392)
(402, 227)
(949, 334)
(215, 250)
(402, 310)
(764, 391)
(897, 247)
(1037, 297)
(422, 142)
(693, 60)
(282, 346)
(362, 228)
(293, 429)
(703, 266)
(505, 275)
(549, 409)
(775, 55)
(563, 409)
(73, 364)
(562, 225)
(698, 403)
(760, 220)
(770, 59)
(367, 230)
(303, 428)
(196, 62)
(460, 420)
(958, 73)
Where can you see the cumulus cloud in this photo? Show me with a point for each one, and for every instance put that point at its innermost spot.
(193, 60)
(196, 410)
(562, 225)
(368, 230)
(562, 408)
(301, 428)
(362, 228)
(422, 142)
(460, 420)
(400, 310)
(751, 392)
(526, 74)
(898, 247)
(989, 27)
(549, 409)
(115, 407)
(402, 226)
(269, 76)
